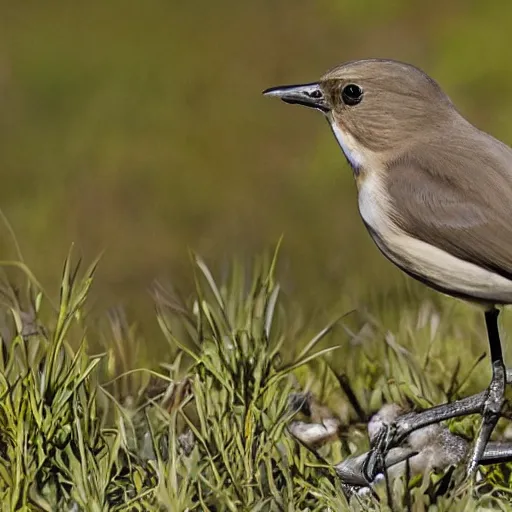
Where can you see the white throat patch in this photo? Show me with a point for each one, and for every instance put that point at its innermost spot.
(348, 145)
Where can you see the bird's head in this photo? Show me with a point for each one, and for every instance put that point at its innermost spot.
(374, 106)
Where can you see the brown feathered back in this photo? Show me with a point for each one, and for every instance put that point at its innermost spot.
(455, 192)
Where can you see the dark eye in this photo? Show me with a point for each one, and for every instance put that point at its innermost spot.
(352, 94)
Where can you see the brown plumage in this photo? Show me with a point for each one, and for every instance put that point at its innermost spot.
(393, 106)
(460, 204)
(424, 173)
(434, 192)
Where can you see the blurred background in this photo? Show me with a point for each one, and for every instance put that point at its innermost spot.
(138, 128)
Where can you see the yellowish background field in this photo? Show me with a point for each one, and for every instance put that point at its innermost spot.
(139, 128)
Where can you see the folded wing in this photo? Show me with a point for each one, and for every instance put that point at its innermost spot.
(464, 209)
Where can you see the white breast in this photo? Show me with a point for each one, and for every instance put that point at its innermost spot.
(349, 146)
(430, 263)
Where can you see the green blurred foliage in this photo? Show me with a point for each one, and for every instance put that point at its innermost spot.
(138, 128)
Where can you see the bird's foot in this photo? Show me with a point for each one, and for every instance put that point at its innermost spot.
(387, 430)
(488, 403)
(491, 410)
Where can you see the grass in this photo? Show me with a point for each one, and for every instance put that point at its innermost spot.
(207, 430)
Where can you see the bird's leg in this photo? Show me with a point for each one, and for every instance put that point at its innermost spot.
(373, 462)
(495, 394)
(393, 434)
(496, 452)
(488, 403)
(408, 423)
(356, 471)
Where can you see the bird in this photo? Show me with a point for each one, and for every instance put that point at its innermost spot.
(434, 192)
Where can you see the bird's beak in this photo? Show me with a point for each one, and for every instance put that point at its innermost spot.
(309, 95)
